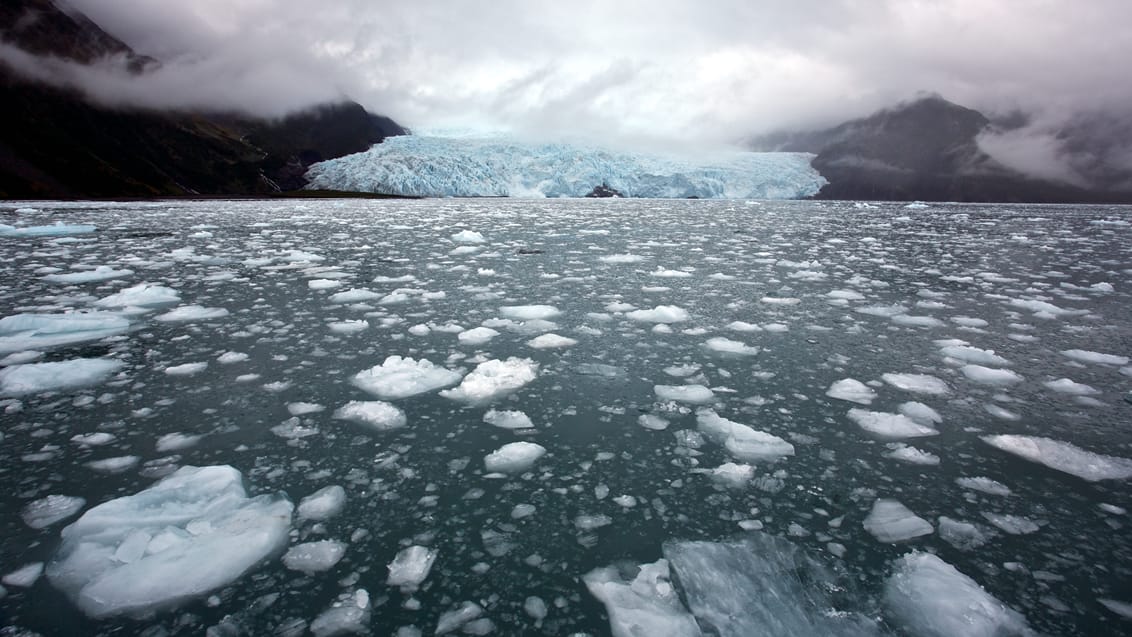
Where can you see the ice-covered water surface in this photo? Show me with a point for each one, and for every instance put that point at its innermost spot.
(490, 414)
(502, 167)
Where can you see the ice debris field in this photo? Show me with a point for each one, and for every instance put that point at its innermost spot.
(618, 417)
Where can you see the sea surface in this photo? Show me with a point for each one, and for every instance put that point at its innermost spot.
(626, 332)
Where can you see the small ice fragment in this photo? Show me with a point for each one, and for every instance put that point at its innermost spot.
(410, 567)
(513, 457)
(889, 425)
(508, 419)
(852, 390)
(323, 504)
(988, 376)
(314, 557)
(695, 394)
(376, 414)
(890, 521)
(918, 383)
(44, 512)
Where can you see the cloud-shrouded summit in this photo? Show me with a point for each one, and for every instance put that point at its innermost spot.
(634, 70)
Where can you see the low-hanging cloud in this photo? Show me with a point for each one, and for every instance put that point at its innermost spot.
(633, 70)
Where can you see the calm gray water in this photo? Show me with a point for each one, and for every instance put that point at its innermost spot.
(779, 301)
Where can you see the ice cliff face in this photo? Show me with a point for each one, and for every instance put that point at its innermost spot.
(499, 167)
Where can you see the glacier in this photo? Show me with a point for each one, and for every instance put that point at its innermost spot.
(498, 166)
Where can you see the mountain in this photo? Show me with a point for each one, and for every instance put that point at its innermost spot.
(926, 149)
(54, 143)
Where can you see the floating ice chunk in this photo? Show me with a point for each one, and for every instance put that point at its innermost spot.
(354, 295)
(646, 605)
(493, 379)
(886, 311)
(1066, 386)
(477, 335)
(852, 390)
(670, 274)
(376, 414)
(100, 273)
(551, 341)
(191, 533)
(186, 369)
(889, 425)
(349, 615)
(58, 229)
(302, 409)
(1064, 456)
(728, 346)
(34, 378)
(21, 357)
(890, 521)
(323, 284)
(983, 484)
(458, 618)
(41, 331)
(911, 455)
(513, 457)
(188, 313)
(25, 576)
(141, 295)
(1085, 356)
(314, 557)
(401, 377)
(920, 412)
(591, 522)
(529, 312)
(227, 358)
(756, 585)
(410, 567)
(508, 419)
(1124, 609)
(176, 442)
(773, 300)
(621, 258)
(963, 535)
(653, 422)
(916, 321)
(113, 465)
(1042, 307)
(468, 237)
(846, 295)
(741, 326)
(973, 355)
(44, 512)
(741, 441)
(660, 314)
(695, 394)
(735, 476)
(930, 598)
(918, 383)
(1012, 524)
(323, 504)
(348, 327)
(988, 376)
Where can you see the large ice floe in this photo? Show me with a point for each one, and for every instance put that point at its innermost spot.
(189, 534)
(42, 331)
(931, 598)
(32, 378)
(757, 584)
(498, 166)
(1064, 456)
(741, 441)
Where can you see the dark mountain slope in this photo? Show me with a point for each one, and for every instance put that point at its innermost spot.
(926, 149)
(53, 143)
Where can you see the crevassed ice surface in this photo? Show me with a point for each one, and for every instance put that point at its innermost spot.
(502, 167)
(808, 295)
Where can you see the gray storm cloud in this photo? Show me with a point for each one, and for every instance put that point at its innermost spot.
(632, 70)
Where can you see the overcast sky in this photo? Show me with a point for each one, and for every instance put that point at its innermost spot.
(633, 71)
